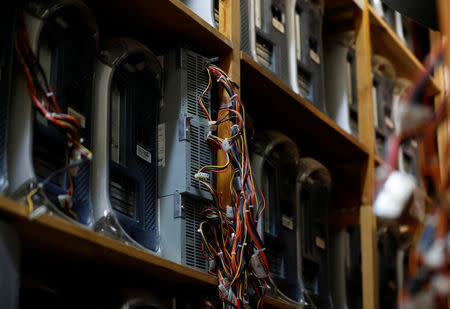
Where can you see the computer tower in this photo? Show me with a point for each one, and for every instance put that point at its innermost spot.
(264, 34)
(183, 150)
(274, 160)
(341, 82)
(127, 92)
(63, 36)
(312, 196)
(7, 34)
(304, 29)
(383, 84)
(345, 266)
(206, 9)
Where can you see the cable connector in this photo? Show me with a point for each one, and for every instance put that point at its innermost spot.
(258, 265)
(75, 157)
(230, 212)
(226, 145)
(65, 199)
(223, 290)
(201, 176)
(395, 195)
(212, 125)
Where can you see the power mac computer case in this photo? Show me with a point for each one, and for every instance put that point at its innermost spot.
(63, 36)
(124, 178)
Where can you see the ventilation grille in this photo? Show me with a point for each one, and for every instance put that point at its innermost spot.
(123, 195)
(197, 81)
(80, 197)
(201, 155)
(245, 30)
(193, 208)
(264, 53)
(216, 13)
(275, 262)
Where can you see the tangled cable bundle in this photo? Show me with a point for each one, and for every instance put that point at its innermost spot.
(230, 238)
(43, 98)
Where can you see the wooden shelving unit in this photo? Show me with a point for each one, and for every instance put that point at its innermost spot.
(165, 23)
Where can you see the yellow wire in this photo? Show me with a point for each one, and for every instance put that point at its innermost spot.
(30, 201)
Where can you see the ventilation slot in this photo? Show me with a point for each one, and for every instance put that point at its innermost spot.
(264, 53)
(123, 195)
(200, 156)
(197, 81)
(216, 13)
(193, 209)
(304, 84)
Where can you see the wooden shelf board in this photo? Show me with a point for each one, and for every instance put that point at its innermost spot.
(386, 43)
(272, 303)
(273, 105)
(160, 25)
(64, 239)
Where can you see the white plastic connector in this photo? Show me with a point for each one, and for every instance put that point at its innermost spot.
(212, 125)
(226, 145)
(230, 212)
(201, 176)
(76, 156)
(65, 198)
(223, 290)
(394, 196)
(258, 267)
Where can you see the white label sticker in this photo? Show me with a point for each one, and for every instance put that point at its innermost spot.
(320, 242)
(78, 116)
(143, 153)
(258, 17)
(389, 122)
(278, 25)
(314, 56)
(414, 144)
(161, 144)
(287, 222)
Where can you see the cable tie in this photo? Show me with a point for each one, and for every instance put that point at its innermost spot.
(233, 252)
(246, 210)
(49, 94)
(220, 253)
(221, 76)
(250, 206)
(235, 95)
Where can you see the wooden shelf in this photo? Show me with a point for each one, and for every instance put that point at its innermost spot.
(386, 43)
(65, 240)
(272, 303)
(160, 25)
(273, 105)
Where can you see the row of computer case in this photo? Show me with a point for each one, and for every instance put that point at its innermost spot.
(285, 36)
(139, 115)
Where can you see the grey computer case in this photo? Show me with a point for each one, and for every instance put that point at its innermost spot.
(183, 150)
(264, 34)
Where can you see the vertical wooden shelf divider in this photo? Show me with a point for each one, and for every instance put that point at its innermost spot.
(366, 135)
(230, 26)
